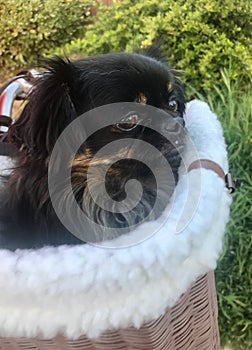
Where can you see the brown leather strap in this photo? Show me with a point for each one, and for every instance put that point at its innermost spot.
(207, 164)
(211, 165)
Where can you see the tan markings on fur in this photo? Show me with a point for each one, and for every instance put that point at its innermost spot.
(169, 87)
(85, 160)
(141, 99)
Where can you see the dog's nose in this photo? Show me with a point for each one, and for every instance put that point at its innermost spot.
(180, 120)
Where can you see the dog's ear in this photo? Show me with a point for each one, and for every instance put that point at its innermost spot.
(49, 109)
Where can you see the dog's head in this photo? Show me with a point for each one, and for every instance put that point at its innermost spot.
(68, 89)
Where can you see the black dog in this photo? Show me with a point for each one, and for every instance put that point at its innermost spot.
(65, 91)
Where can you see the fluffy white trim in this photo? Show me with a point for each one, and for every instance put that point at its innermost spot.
(88, 290)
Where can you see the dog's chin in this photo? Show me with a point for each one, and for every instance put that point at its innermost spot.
(114, 222)
(130, 197)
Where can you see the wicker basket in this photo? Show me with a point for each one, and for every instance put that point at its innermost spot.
(191, 324)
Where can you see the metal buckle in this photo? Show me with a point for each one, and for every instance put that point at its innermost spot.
(230, 184)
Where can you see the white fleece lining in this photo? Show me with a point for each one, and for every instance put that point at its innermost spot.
(86, 290)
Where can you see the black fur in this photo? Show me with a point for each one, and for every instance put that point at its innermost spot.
(66, 90)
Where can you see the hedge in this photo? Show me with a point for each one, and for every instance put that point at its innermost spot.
(200, 37)
(28, 29)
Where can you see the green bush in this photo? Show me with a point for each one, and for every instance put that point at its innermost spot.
(234, 271)
(30, 28)
(200, 36)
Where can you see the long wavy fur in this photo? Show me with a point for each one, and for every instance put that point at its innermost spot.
(66, 90)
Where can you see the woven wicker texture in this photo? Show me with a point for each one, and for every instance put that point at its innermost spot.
(191, 324)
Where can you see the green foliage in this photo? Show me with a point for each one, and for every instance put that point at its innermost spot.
(234, 273)
(30, 28)
(200, 36)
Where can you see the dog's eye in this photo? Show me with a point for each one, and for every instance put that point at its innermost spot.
(128, 123)
(173, 105)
